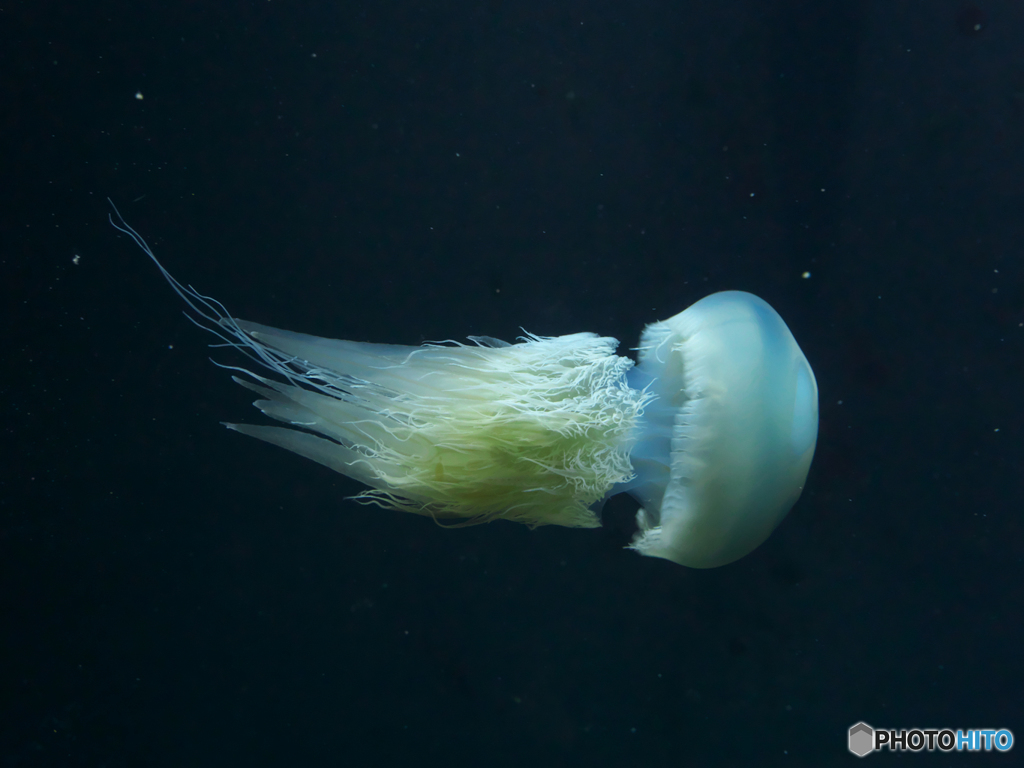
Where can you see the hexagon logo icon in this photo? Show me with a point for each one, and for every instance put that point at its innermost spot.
(862, 739)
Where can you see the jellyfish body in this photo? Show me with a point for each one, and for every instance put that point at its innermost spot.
(712, 433)
(725, 445)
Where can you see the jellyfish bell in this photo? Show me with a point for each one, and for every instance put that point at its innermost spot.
(712, 432)
(724, 447)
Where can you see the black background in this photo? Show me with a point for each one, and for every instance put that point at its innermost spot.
(175, 594)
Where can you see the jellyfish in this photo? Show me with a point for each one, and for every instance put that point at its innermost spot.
(711, 431)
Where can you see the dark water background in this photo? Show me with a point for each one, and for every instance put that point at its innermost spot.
(175, 594)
